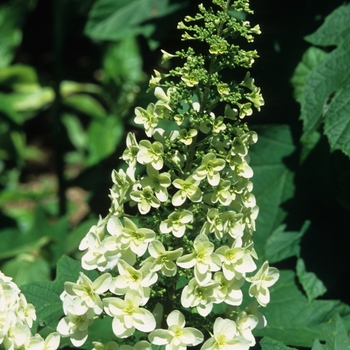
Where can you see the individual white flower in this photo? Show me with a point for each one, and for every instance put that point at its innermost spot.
(245, 323)
(177, 336)
(145, 199)
(186, 136)
(236, 261)
(51, 342)
(132, 147)
(186, 189)
(112, 345)
(228, 291)
(202, 259)
(163, 98)
(176, 223)
(233, 224)
(151, 153)
(162, 260)
(25, 312)
(128, 315)
(261, 281)
(136, 238)
(158, 182)
(18, 336)
(76, 327)
(225, 337)
(147, 117)
(131, 279)
(201, 297)
(89, 292)
(210, 168)
(223, 193)
(240, 166)
(214, 223)
(94, 256)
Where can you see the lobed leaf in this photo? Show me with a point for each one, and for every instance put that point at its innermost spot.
(273, 180)
(312, 285)
(292, 319)
(281, 245)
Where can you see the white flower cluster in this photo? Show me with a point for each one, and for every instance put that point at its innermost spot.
(212, 204)
(16, 320)
(178, 240)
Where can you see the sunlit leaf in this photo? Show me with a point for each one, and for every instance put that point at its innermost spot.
(271, 344)
(282, 245)
(114, 20)
(292, 319)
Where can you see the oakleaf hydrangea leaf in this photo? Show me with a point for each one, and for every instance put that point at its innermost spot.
(273, 180)
(324, 97)
(45, 296)
(282, 245)
(272, 344)
(311, 58)
(336, 336)
(295, 321)
(312, 285)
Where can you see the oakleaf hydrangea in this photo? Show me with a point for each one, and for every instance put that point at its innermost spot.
(177, 245)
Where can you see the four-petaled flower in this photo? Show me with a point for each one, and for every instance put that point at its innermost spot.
(210, 168)
(176, 223)
(162, 260)
(151, 153)
(261, 281)
(145, 199)
(186, 189)
(158, 182)
(128, 315)
(177, 336)
(136, 238)
(147, 117)
(202, 258)
(225, 337)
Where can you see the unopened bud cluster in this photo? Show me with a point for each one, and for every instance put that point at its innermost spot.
(177, 245)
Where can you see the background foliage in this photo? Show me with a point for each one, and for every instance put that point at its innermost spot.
(71, 73)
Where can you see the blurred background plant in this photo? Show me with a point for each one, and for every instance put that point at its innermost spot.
(71, 74)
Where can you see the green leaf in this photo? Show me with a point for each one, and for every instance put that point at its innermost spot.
(329, 77)
(114, 20)
(104, 136)
(312, 285)
(76, 133)
(273, 180)
(282, 245)
(292, 319)
(45, 296)
(336, 336)
(11, 18)
(311, 58)
(26, 268)
(272, 344)
(19, 77)
(337, 122)
(317, 345)
(122, 61)
(324, 80)
(334, 30)
(85, 104)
